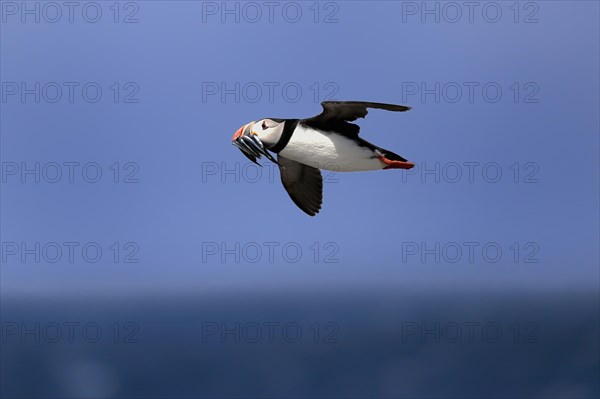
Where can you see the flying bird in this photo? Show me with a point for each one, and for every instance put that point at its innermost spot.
(327, 141)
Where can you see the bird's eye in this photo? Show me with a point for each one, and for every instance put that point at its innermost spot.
(264, 125)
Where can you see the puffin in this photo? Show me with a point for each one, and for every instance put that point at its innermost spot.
(328, 141)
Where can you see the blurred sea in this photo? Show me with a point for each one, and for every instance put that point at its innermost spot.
(384, 344)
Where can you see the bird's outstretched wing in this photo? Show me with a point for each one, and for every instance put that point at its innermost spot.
(337, 115)
(303, 183)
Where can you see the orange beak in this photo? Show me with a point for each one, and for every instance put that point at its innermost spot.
(238, 133)
(250, 144)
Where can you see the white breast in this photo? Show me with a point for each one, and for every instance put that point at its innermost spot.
(329, 151)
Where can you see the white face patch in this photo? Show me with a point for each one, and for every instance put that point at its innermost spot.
(268, 131)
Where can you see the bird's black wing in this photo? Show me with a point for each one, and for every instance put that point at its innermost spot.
(303, 183)
(337, 115)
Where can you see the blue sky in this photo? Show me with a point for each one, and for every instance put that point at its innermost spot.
(167, 125)
(123, 202)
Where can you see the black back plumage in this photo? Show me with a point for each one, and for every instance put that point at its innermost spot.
(304, 183)
(337, 115)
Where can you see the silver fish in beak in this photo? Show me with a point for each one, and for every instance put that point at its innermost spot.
(250, 145)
